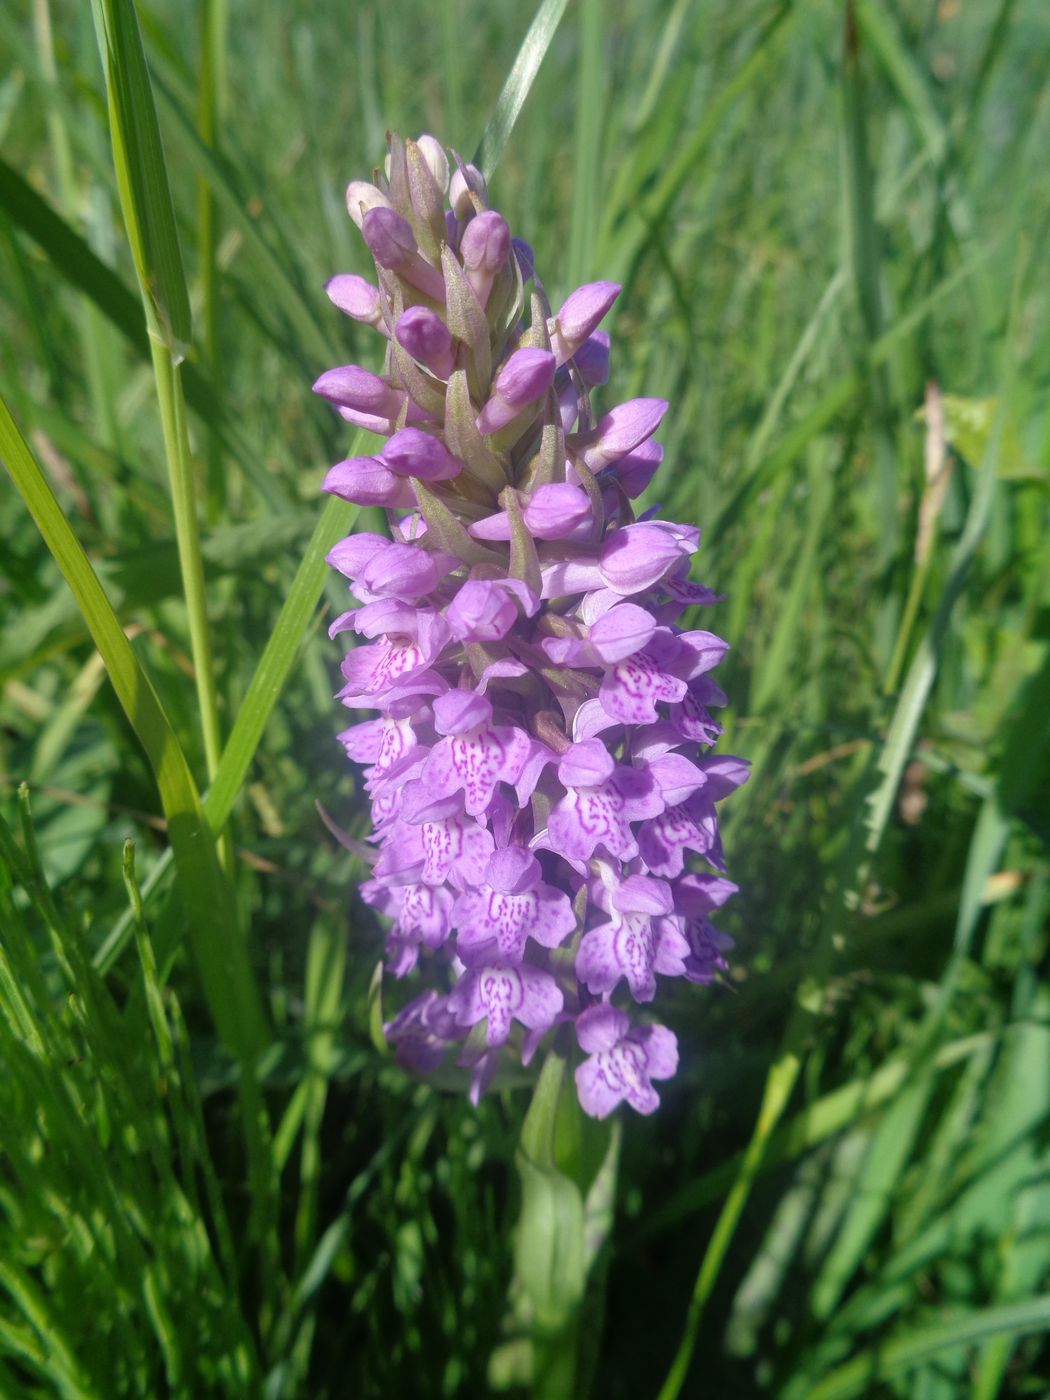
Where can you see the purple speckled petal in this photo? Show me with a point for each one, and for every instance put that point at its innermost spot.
(494, 924)
(663, 841)
(586, 818)
(501, 993)
(625, 1069)
(476, 762)
(456, 849)
(625, 947)
(633, 688)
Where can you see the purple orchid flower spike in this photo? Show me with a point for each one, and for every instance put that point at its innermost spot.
(544, 795)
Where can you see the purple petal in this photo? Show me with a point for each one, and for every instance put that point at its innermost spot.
(503, 993)
(482, 611)
(587, 764)
(601, 1027)
(625, 947)
(455, 849)
(512, 870)
(633, 688)
(350, 386)
(637, 556)
(356, 297)
(587, 818)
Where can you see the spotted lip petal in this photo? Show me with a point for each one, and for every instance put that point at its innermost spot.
(539, 773)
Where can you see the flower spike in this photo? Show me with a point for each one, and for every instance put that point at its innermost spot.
(541, 777)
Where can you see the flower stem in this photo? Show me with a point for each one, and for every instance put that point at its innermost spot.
(187, 535)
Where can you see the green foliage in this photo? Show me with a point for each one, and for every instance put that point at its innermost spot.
(828, 220)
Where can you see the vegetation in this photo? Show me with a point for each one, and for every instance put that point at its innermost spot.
(829, 221)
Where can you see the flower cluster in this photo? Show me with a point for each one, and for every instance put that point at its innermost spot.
(541, 766)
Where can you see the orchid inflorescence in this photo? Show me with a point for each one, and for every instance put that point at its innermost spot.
(542, 761)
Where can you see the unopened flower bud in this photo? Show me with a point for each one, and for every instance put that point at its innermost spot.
(525, 377)
(427, 339)
(357, 298)
(620, 431)
(466, 180)
(350, 386)
(412, 452)
(483, 249)
(579, 316)
(434, 154)
(393, 245)
(361, 197)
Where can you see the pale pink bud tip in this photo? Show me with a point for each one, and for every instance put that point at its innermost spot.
(356, 297)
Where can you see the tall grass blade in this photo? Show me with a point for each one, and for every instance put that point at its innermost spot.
(142, 179)
(519, 80)
(227, 975)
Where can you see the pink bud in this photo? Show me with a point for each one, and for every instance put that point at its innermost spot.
(641, 894)
(366, 482)
(427, 339)
(525, 377)
(512, 870)
(393, 245)
(357, 298)
(637, 556)
(412, 452)
(482, 611)
(400, 571)
(361, 197)
(580, 315)
(621, 430)
(556, 510)
(351, 555)
(483, 249)
(621, 632)
(350, 386)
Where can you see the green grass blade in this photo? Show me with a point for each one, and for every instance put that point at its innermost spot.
(226, 973)
(271, 675)
(919, 680)
(897, 1358)
(142, 177)
(587, 154)
(778, 1089)
(519, 80)
(73, 257)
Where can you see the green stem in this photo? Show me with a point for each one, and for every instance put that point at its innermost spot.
(779, 1084)
(187, 536)
(210, 104)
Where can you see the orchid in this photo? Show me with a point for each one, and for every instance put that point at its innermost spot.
(541, 769)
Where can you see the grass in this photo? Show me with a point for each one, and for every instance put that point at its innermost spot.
(828, 221)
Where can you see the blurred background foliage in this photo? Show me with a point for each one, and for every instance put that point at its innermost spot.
(830, 223)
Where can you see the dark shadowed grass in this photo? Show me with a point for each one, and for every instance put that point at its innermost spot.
(829, 223)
